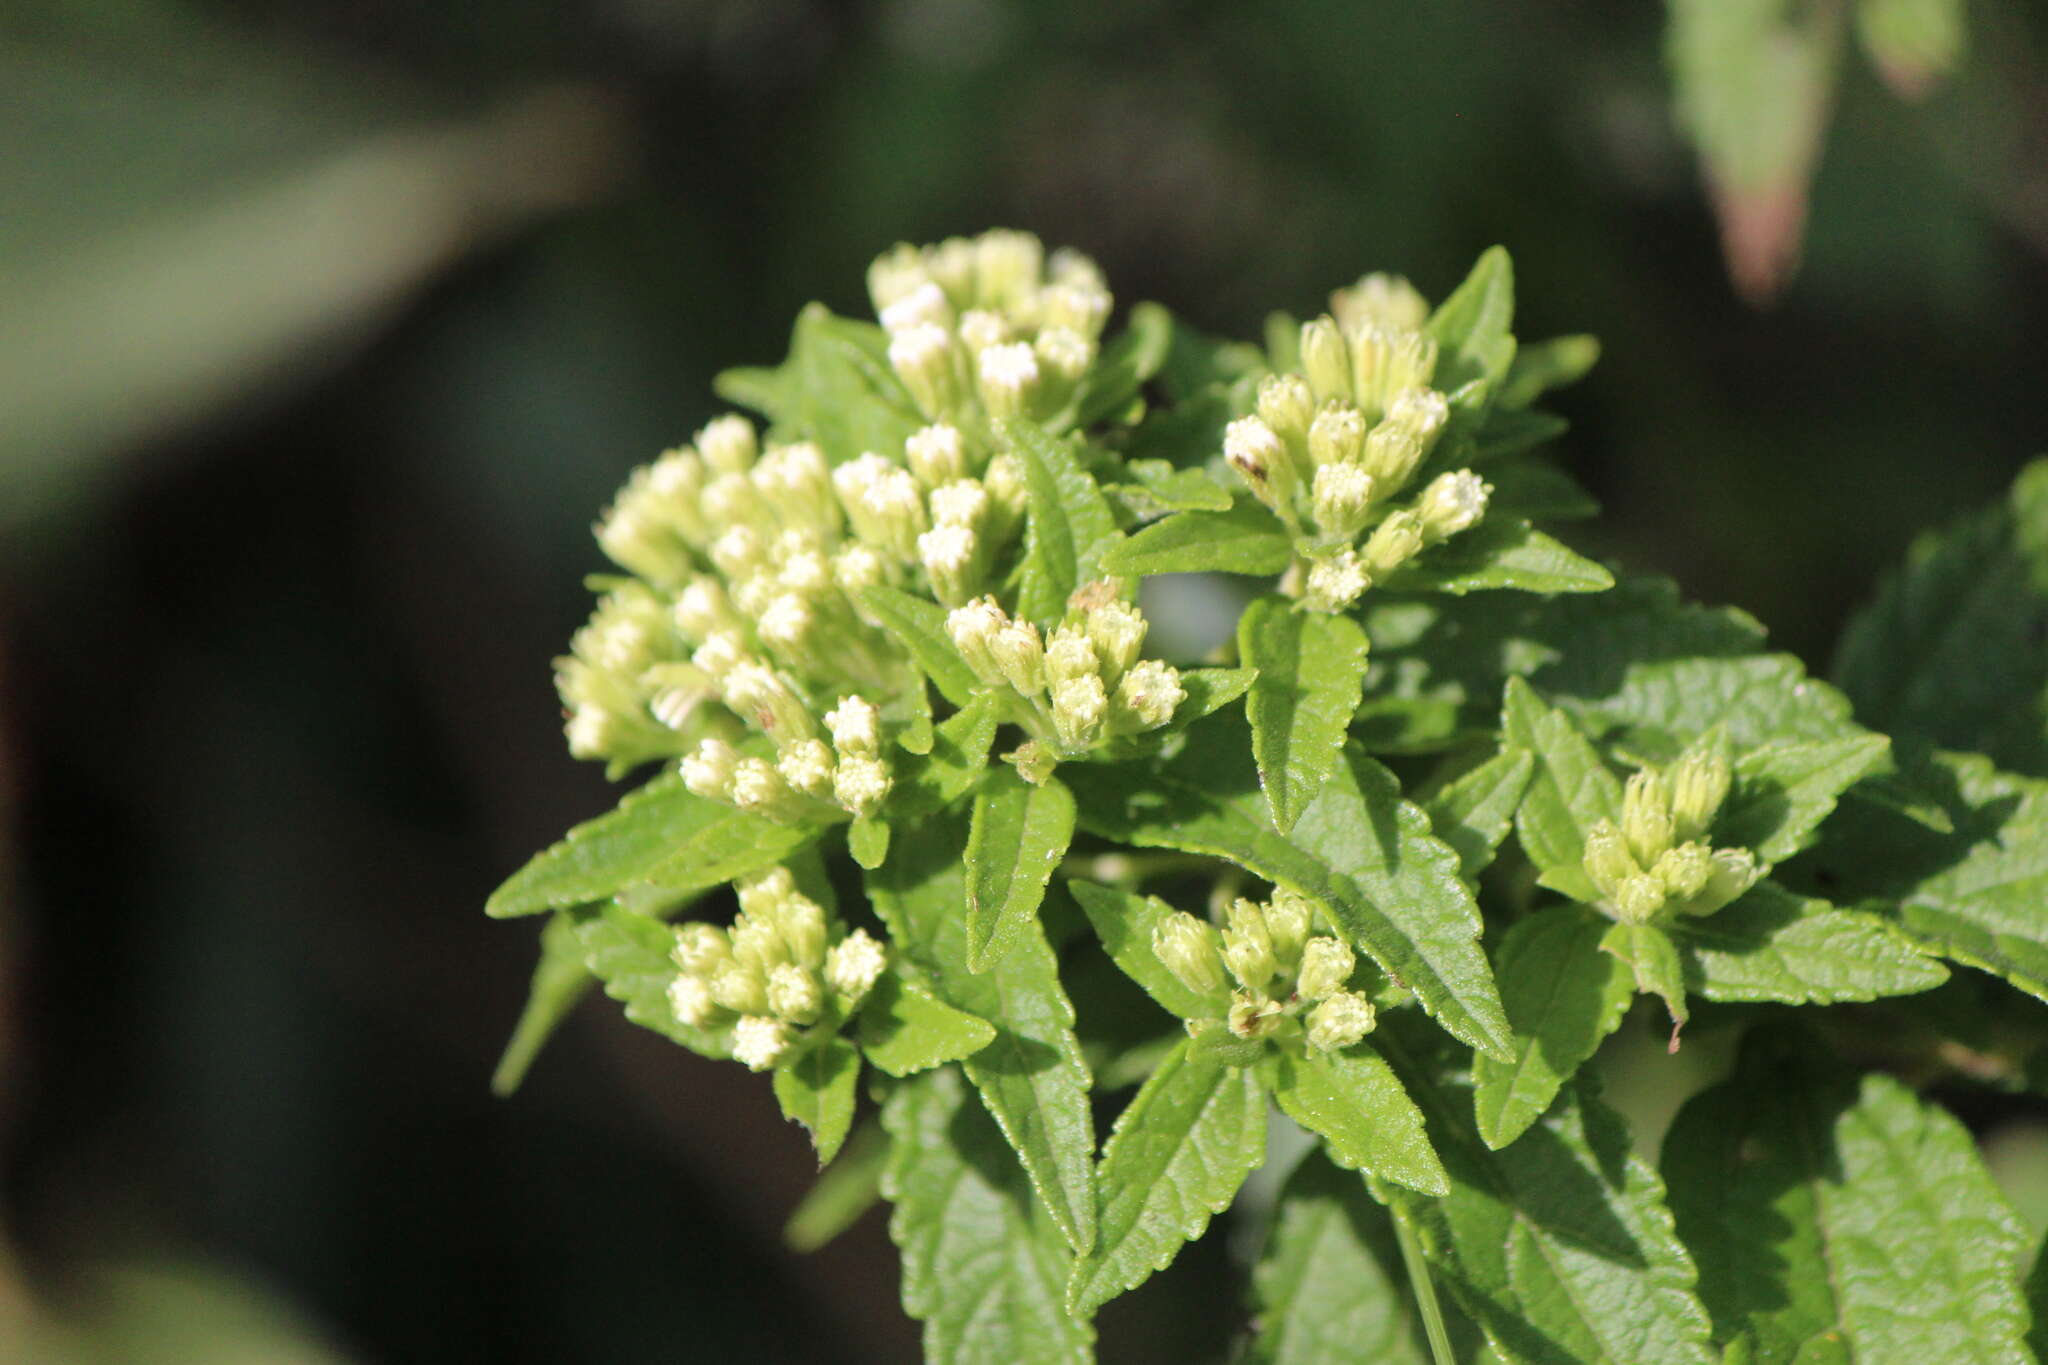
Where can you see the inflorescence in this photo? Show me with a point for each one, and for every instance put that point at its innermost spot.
(1658, 861)
(1287, 977)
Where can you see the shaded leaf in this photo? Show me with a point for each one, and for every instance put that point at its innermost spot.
(903, 1030)
(1501, 552)
(1571, 789)
(1019, 834)
(1773, 945)
(1125, 922)
(629, 955)
(921, 627)
(1653, 959)
(816, 1087)
(1124, 365)
(1474, 326)
(1474, 813)
(845, 1190)
(1782, 792)
(1070, 527)
(1309, 669)
(836, 388)
(560, 980)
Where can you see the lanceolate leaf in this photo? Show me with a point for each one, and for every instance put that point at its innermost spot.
(1247, 539)
(817, 1088)
(959, 754)
(1020, 833)
(598, 857)
(1822, 1204)
(1032, 1077)
(728, 848)
(903, 1030)
(1124, 922)
(1473, 813)
(921, 627)
(1572, 788)
(836, 388)
(1209, 689)
(844, 1191)
(1652, 957)
(1327, 1290)
(559, 980)
(1361, 851)
(1502, 552)
(1310, 666)
(1544, 365)
(1474, 325)
(1071, 526)
(982, 1266)
(1558, 1245)
(1176, 1157)
(629, 954)
(1563, 996)
(1783, 791)
(1356, 1104)
(1773, 945)
(1125, 364)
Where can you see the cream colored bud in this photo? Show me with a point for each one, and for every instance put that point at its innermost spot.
(1699, 786)
(755, 692)
(807, 572)
(1248, 947)
(853, 967)
(856, 567)
(948, 554)
(702, 607)
(1640, 898)
(728, 444)
(1335, 581)
(1646, 816)
(1007, 265)
(1606, 858)
(1287, 406)
(795, 995)
(1117, 630)
(895, 512)
(973, 628)
(1387, 301)
(700, 949)
(1391, 456)
(1253, 1015)
(786, 624)
(759, 789)
(807, 766)
(862, 784)
(721, 652)
(1289, 919)
(1008, 379)
(759, 1042)
(732, 499)
(1337, 435)
(1326, 964)
(1393, 543)
(1735, 871)
(1079, 707)
(796, 483)
(738, 552)
(741, 987)
(1326, 360)
(1078, 307)
(980, 329)
(763, 895)
(1187, 947)
(1342, 497)
(709, 770)
(1340, 1022)
(690, 1000)
(963, 502)
(1452, 503)
(1020, 656)
(1421, 413)
(1148, 695)
(1260, 457)
(856, 727)
(1685, 870)
(937, 454)
(1008, 495)
(1064, 355)
(925, 304)
(922, 356)
(1070, 654)
(895, 273)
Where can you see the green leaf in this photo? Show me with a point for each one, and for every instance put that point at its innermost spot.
(599, 857)
(1124, 365)
(867, 839)
(1159, 486)
(1474, 326)
(982, 1266)
(1823, 1203)
(904, 1031)
(1125, 923)
(1653, 959)
(1558, 1245)
(1501, 552)
(1310, 667)
(1032, 1077)
(816, 1086)
(836, 388)
(1774, 945)
(1545, 365)
(1209, 689)
(1534, 489)
(845, 1190)
(1020, 833)
(1327, 1288)
(730, 846)
(1358, 1106)
(1177, 1155)
(629, 955)
(921, 627)
(1473, 813)
(958, 756)
(1359, 850)
(1563, 996)
(1510, 431)
(1070, 528)
(1247, 539)
(1953, 650)
(1572, 788)
(1782, 792)
(560, 980)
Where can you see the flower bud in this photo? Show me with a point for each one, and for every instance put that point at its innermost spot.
(1253, 1015)
(856, 727)
(857, 566)
(1070, 654)
(709, 770)
(1340, 1021)
(721, 652)
(1020, 656)
(1148, 696)
(1289, 918)
(1287, 406)
(1452, 503)
(1699, 786)
(807, 766)
(1186, 946)
(924, 303)
(796, 482)
(1063, 355)
(759, 790)
(702, 607)
(1335, 581)
(1685, 870)
(759, 1042)
(741, 987)
(690, 1000)
(1391, 455)
(1079, 706)
(1117, 630)
(1640, 898)
(800, 921)
(922, 355)
(1385, 301)
(1646, 816)
(785, 626)
(1007, 265)
(862, 784)
(1008, 496)
(1078, 307)
(1342, 497)
(937, 454)
(1248, 947)
(1606, 859)
(700, 948)
(763, 895)
(896, 273)
(794, 995)
(1393, 543)
(1421, 413)
(1326, 964)
(1259, 456)
(727, 444)
(948, 554)
(973, 628)
(1412, 363)
(980, 329)
(738, 552)
(1326, 360)
(895, 512)
(963, 502)
(1735, 871)
(756, 693)
(1337, 436)
(1008, 379)
(852, 967)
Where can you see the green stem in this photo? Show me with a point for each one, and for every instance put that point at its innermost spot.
(1425, 1291)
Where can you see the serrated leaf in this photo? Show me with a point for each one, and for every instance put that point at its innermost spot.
(867, 839)
(1774, 945)
(1559, 1245)
(730, 846)
(1782, 792)
(982, 1266)
(560, 980)
(1474, 813)
(1032, 1077)
(1125, 364)
(1359, 850)
(598, 857)
(1563, 996)
(1327, 1288)
(1952, 650)
(920, 626)
(955, 762)
(629, 955)
(1208, 690)
(1358, 1106)
(1474, 326)
(1177, 1155)
(817, 1087)
(904, 1031)
(1652, 958)
(1019, 834)
(1247, 539)
(1161, 487)
(1070, 527)
(1501, 552)
(1310, 666)
(1819, 1202)
(1544, 365)
(844, 1191)
(1125, 923)
(836, 388)
(1534, 489)
(1761, 699)
(1571, 789)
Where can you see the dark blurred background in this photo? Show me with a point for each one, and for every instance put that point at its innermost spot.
(326, 327)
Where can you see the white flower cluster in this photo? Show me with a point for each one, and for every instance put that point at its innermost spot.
(1333, 448)
(1081, 684)
(781, 969)
(1283, 970)
(1659, 857)
(988, 326)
